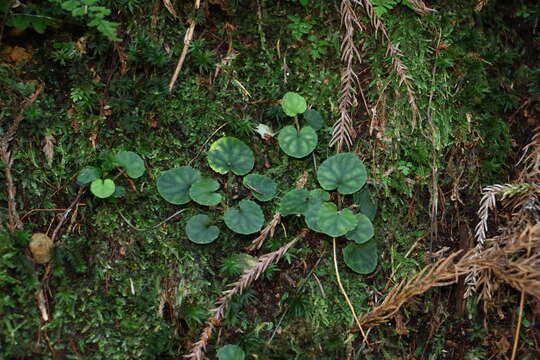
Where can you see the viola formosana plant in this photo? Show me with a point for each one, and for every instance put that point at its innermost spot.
(330, 210)
(101, 180)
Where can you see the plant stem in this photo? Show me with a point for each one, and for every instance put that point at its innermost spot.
(345, 293)
(296, 123)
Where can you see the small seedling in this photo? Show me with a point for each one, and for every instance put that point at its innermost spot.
(99, 179)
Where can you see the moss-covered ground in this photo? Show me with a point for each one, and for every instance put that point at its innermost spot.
(120, 288)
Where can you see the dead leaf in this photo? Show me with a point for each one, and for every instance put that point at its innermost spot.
(18, 54)
(302, 180)
(80, 45)
(48, 148)
(265, 131)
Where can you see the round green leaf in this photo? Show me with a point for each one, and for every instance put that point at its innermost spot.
(335, 223)
(247, 219)
(297, 144)
(203, 192)
(293, 104)
(262, 187)
(87, 175)
(200, 230)
(294, 202)
(316, 198)
(132, 162)
(344, 172)
(230, 154)
(363, 230)
(314, 119)
(361, 258)
(102, 188)
(173, 185)
(230, 352)
(366, 202)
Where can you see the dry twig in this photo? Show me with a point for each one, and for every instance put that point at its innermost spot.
(14, 222)
(506, 261)
(187, 40)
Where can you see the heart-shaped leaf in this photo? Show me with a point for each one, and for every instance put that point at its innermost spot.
(87, 175)
(294, 202)
(344, 172)
(231, 352)
(230, 154)
(297, 144)
(102, 188)
(363, 230)
(203, 192)
(315, 201)
(173, 185)
(247, 219)
(262, 187)
(314, 119)
(366, 202)
(132, 162)
(361, 258)
(293, 104)
(200, 230)
(335, 223)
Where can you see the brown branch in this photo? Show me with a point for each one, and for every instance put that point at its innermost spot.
(14, 221)
(506, 262)
(187, 40)
(246, 279)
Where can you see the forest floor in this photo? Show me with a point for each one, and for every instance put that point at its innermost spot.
(125, 282)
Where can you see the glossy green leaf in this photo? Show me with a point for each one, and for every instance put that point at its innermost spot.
(247, 219)
(102, 188)
(230, 154)
(231, 352)
(314, 119)
(335, 223)
(200, 230)
(297, 144)
(262, 187)
(315, 201)
(293, 104)
(294, 202)
(87, 175)
(344, 172)
(361, 258)
(363, 230)
(203, 192)
(173, 185)
(366, 202)
(132, 162)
